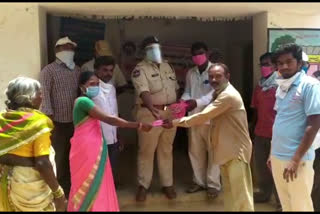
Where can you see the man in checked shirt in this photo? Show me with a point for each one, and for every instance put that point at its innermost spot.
(59, 82)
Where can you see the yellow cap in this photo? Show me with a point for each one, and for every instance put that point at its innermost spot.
(102, 48)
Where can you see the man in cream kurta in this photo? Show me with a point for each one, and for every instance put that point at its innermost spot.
(230, 139)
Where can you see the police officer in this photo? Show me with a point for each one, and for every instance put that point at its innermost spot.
(155, 88)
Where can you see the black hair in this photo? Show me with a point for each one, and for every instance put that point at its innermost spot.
(129, 44)
(147, 41)
(103, 60)
(83, 78)
(292, 48)
(215, 56)
(198, 45)
(224, 66)
(267, 55)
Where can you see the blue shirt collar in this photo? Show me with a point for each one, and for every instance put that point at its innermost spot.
(298, 80)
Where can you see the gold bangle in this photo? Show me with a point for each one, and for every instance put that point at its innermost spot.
(58, 193)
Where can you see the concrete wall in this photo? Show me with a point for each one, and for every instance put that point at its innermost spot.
(260, 40)
(292, 20)
(21, 25)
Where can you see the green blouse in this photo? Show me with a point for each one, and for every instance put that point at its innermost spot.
(81, 109)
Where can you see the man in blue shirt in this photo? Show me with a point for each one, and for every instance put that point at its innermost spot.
(296, 125)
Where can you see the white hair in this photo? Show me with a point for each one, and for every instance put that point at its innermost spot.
(21, 91)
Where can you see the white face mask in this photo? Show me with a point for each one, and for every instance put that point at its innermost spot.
(67, 58)
(284, 85)
(153, 53)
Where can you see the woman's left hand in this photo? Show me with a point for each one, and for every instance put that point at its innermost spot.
(61, 204)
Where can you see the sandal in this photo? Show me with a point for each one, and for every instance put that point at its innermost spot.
(212, 193)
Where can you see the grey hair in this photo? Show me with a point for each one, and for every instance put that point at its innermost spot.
(21, 91)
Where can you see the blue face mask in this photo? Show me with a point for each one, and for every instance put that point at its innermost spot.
(305, 68)
(92, 91)
(154, 54)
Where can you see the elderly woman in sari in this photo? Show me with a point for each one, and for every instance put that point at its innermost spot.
(27, 176)
(92, 186)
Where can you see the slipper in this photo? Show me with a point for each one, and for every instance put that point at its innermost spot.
(195, 188)
(212, 193)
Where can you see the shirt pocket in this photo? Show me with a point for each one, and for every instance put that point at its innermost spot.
(155, 82)
(296, 102)
(172, 81)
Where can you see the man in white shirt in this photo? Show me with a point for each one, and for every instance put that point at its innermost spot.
(198, 94)
(102, 48)
(107, 101)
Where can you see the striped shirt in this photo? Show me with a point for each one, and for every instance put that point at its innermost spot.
(59, 90)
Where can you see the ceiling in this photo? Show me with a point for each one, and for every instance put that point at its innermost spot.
(183, 9)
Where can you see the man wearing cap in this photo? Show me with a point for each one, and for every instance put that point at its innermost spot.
(59, 82)
(156, 87)
(102, 48)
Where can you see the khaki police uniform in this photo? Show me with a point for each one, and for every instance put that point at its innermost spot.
(162, 84)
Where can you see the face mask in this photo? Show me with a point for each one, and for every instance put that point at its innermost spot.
(92, 91)
(266, 71)
(305, 68)
(154, 54)
(67, 58)
(199, 59)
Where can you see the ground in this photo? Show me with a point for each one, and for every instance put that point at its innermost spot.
(156, 201)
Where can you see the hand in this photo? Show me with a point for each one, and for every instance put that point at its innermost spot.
(291, 170)
(60, 204)
(121, 145)
(269, 164)
(167, 124)
(146, 127)
(155, 113)
(192, 104)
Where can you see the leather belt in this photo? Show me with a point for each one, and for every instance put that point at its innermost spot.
(160, 107)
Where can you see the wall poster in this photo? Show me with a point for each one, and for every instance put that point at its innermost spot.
(308, 39)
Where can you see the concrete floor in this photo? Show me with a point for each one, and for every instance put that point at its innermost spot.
(156, 201)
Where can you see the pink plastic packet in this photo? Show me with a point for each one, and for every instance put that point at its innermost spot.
(178, 110)
(157, 123)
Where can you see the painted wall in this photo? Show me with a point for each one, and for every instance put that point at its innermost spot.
(292, 20)
(20, 52)
(260, 39)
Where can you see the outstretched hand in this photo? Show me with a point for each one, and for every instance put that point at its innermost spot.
(146, 127)
(167, 124)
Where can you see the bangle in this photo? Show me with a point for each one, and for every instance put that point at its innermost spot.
(58, 193)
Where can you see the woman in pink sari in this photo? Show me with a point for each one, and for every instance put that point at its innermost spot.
(92, 186)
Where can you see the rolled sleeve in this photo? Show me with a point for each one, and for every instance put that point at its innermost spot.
(187, 89)
(46, 84)
(41, 145)
(312, 100)
(205, 100)
(139, 81)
